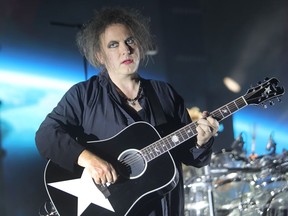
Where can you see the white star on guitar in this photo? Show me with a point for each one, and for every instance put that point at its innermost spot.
(86, 191)
(268, 90)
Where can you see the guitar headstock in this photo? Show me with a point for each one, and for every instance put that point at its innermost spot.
(264, 92)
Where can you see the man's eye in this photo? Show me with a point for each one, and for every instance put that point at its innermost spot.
(112, 45)
(130, 41)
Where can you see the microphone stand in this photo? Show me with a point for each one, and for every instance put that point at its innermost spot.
(2, 155)
(78, 26)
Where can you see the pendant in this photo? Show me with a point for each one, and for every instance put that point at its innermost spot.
(132, 103)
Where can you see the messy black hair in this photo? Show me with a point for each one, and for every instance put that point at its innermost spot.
(88, 38)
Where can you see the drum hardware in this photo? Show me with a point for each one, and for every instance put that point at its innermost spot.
(233, 191)
(227, 159)
(199, 195)
(226, 179)
(210, 192)
(283, 167)
(280, 200)
(196, 201)
(271, 145)
(264, 182)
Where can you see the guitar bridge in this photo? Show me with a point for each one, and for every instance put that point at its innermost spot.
(104, 189)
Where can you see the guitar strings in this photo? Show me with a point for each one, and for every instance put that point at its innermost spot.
(154, 149)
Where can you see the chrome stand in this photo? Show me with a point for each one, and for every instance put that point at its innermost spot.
(209, 190)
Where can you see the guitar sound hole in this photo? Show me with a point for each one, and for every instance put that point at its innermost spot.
(132, 164)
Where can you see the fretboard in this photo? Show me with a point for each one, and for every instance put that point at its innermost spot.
(188, 131)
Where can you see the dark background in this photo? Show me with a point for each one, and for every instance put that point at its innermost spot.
(198, 43)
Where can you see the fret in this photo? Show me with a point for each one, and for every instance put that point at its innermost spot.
(190, 130)
(217, 115)
(167, 140)
(224, 110)
(180, 136)
(233, 107)
(172, 139)
(185, 134)
(221, 113)
(192, 127)
(148, 156)
(164, 145)
(242, 103)
(156, 149)
(145, 154)
(236, 104)
(160, 147)
(151, 152)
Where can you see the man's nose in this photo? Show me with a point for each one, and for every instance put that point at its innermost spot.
(126, 49)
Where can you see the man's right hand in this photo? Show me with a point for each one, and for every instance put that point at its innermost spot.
(100, 170)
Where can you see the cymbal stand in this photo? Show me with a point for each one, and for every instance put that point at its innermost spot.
(209, 190)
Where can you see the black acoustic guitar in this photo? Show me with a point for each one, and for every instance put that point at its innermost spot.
(144, 172)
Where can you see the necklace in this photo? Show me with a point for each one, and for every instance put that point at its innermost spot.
(133, 101)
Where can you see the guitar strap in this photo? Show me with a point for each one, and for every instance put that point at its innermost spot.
(156, 106)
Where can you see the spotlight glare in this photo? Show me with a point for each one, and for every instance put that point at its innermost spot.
(22, 79)
(232, 85)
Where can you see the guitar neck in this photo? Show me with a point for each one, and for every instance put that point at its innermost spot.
(185, 133)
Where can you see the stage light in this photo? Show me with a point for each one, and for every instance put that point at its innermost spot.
(232, 84)
(152, 52)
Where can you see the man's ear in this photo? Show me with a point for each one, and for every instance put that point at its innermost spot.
(99, 57)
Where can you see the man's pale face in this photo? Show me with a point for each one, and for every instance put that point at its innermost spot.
(120, 53)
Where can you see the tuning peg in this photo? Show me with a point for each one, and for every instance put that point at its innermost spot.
(279, 99)
(271, 103)
(264, 105)
(266, 78)
(259, 82)
(263, 95)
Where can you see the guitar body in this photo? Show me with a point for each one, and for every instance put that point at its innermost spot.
(140, 182)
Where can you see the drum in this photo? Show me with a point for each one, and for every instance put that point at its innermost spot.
(272, 182)
(266, 189)
(278, 204)
(226, 160)
(232, 191)
(196, 198)
(191, 174)
(268, 182)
